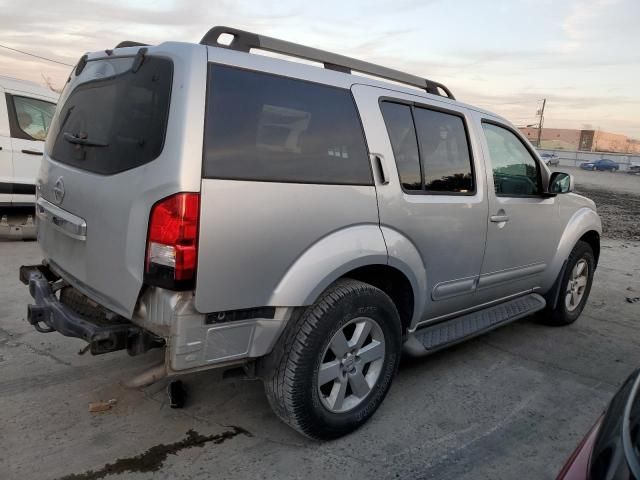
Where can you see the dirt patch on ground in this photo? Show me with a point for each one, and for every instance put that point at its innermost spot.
(620, 212)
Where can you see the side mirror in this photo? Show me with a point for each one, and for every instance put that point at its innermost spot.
(560, 182)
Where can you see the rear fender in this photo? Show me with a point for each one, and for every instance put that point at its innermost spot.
(327, 260)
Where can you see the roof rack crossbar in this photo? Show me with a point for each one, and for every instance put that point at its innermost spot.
(244, 41)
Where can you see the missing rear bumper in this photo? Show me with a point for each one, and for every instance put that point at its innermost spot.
(104, 331)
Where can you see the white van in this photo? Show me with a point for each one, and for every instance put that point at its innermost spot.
(25, 115)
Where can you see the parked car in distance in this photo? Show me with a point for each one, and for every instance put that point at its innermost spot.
(603, 165)
(610, 450)
(26, 111)
(634, 169)
(551, 159)
(303, 224)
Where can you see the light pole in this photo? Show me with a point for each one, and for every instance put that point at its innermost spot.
(541, 113)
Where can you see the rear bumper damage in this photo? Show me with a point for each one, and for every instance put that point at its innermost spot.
(104, 331)
(192, 341)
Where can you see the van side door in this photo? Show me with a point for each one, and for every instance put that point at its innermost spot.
(6, 167)
(523, 225)
(434, 194)
(29, 120)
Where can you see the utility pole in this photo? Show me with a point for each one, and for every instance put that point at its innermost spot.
(541, 113)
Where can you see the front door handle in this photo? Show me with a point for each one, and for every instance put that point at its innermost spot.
(499, 218)
(31, 152)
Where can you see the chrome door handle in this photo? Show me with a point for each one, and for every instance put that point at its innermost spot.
(384, 179)
(499, 218)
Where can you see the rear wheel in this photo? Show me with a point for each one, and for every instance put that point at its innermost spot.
(335, 362)
(594, 168)
(575, 287)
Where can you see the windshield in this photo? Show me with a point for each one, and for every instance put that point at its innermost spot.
(113, 118)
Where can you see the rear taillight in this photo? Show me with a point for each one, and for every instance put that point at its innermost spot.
(172, 245)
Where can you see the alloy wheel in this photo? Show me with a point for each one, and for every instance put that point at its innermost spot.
(351, 365)
(576, 285)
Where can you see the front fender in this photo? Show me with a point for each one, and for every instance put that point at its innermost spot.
(327, 260)
(583, 220)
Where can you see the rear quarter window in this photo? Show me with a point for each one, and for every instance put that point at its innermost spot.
(266, 127)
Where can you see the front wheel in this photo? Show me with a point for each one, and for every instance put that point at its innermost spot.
(335, 362)
(575, 287)
(594, 168)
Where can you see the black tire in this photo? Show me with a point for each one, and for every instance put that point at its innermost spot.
(561, 315)
(290, 372)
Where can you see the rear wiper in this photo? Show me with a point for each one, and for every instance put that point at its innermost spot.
(82, 139)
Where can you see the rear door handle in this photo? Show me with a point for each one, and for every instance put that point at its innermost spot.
(379, 163)
(31, 152)
(499, 218)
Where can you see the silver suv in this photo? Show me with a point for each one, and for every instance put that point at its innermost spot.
(305, 224)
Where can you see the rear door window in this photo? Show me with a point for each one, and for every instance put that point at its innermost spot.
(444, 148)
(431, 148)
(113, 118)
(271, 128)
(402, 134)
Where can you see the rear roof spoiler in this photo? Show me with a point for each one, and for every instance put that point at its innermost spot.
(129, 43)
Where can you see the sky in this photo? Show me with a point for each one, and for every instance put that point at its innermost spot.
(583, 56)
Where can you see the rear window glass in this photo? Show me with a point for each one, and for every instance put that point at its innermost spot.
(271, 128)
(113, 119)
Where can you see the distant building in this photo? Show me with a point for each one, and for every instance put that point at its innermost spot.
(584, 140)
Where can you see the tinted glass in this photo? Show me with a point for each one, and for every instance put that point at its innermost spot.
(33, 116)
(515, 171)
(114, 119)
(446, 161)
(402, 134)
(271, 128)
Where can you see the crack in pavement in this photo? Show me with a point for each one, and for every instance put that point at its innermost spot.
(153, 459)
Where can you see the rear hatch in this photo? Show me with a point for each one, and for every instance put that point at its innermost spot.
(127, 133)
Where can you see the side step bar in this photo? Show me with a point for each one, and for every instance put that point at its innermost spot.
(435, 337)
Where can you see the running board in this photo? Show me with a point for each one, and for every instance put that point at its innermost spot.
(432, 338)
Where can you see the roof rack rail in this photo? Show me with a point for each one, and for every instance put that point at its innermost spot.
(129, 43)
(244, 41)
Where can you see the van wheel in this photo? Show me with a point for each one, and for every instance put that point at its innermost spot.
(335, 362)
(574, 287)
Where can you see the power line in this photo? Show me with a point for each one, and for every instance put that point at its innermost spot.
(506, 103)
(36, 56)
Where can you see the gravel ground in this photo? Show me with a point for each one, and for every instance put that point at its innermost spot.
(617, 197)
